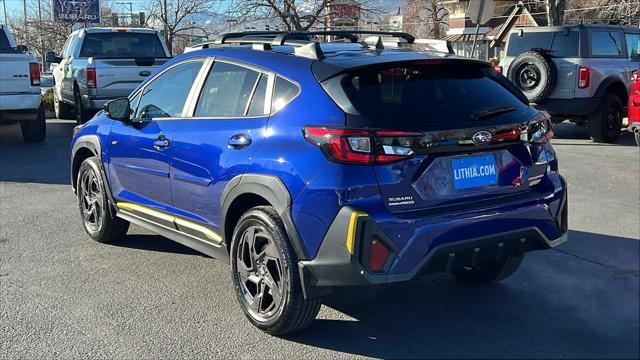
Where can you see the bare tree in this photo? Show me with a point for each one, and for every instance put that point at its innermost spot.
(622, 12)
(303, 14)
(555, 11)
(425, 18)
(181, 18)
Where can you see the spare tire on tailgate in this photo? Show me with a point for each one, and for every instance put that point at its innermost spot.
(535, 74)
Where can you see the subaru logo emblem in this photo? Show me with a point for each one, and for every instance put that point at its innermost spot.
(482, 137)
(144, 73)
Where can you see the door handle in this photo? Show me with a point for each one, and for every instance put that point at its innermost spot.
(239, 141)
(161, 143)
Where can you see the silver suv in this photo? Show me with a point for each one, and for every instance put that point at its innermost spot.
(101, 64)
(581, 73)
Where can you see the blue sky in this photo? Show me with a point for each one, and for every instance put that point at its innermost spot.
(15, 7)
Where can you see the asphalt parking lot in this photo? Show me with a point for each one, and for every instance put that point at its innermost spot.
(63, 295)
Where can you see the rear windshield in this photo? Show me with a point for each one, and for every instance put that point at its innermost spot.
(122, 45)
(428, 97)
(561, 43)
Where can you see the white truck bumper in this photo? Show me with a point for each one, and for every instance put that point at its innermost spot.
(19, 107)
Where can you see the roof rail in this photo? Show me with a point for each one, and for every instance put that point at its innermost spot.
(302, 41)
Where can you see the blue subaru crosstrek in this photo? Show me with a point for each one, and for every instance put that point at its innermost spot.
(310, 166)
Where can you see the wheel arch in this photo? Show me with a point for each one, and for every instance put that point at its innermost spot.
(615, 86)
(249, 190)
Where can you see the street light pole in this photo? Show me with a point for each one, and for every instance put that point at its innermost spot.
(4, 7)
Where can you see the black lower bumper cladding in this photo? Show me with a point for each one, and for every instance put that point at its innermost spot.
(334, 266)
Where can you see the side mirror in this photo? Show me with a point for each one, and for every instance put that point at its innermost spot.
(22, 48)
(118, 109)
(51, 57)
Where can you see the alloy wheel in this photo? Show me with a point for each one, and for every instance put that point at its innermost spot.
(90, 201)
(528, 77)
(260, 273)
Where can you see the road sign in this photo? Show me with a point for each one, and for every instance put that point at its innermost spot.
(480, 11)
(76, 11)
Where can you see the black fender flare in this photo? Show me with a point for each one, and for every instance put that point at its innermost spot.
(272, 189)
(92, 143)
(602, 89)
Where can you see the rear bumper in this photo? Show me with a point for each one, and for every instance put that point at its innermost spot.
(26, 101)
(570, 107)
(444, 247)
(97, 104)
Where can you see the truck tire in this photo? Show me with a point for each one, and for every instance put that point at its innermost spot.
(605, 123)
(62, 110)
(535, 74)
(80, 112)
(493, 272)
(637, 135)
(265, 274)
(35, 130)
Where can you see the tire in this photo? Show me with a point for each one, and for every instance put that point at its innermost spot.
(535, 74)
(98, 221)
(496, 271)
(606, 122)
(35, 130)
(62, 110)
(82, 115)
(637, 136)
(264, 268)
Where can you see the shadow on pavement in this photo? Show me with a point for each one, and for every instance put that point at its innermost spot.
(46, 162)
(569, 131)
(154, 243)
(545, 310)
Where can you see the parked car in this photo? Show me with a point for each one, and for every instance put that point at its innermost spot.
(634, 106)
(20, 100)
(102, 64)
(580, 73)
(311, 166)
(46, 83)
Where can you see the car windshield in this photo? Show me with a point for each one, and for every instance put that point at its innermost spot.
(46, 81)
(122, 45)
(428, 97)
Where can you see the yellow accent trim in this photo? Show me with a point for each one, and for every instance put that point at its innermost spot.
(199, 228)
(210, 234)
(351, 232)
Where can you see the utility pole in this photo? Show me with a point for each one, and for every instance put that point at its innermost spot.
(4, 8)
(166, 25)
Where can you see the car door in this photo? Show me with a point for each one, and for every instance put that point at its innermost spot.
(210, 148)
(59, 72)
(139, 150)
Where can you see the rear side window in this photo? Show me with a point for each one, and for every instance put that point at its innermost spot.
(561, 43)
(257, 107)
(284, 92)
(606, 43)
(115, 45)
(633, 47)
(166, 95)
(227, 91)
(426, 97)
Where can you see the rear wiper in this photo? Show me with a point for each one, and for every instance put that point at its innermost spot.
(491, 112)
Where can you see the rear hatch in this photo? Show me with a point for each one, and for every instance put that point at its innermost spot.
(122, 59)
(445, 134)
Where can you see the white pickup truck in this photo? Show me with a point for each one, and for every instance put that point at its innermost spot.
(20, 100)
(101, 64)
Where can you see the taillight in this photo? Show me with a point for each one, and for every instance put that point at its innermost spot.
(91, 78)
(34, 74)
(583, 77)
(636, 99)
(498, 69)
(541, 132)
(360, 146)
(378, 254)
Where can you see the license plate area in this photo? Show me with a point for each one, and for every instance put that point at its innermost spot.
(474, 171)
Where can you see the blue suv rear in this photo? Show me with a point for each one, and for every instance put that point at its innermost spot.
(312, 166)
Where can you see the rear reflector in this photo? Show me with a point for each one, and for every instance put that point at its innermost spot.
(583, 77)
(34, 74)
(91, 78)
(378, 254)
